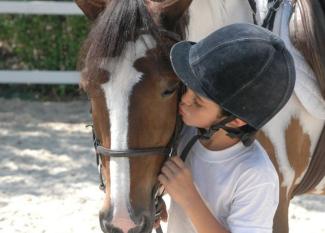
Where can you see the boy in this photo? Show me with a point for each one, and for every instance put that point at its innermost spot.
(238, 78)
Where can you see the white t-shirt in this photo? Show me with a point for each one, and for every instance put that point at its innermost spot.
(239, 185)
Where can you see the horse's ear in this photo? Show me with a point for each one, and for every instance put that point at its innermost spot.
(170, 10)
(90, 83)
(92, 8)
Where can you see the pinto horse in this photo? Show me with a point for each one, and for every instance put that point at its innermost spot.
(295, 138)
(131, 86)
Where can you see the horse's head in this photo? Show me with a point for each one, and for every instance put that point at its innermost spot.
(133, 92)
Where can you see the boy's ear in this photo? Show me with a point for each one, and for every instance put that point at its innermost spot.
(236, 123)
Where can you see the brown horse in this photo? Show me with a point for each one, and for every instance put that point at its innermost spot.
(133, 92)
(294, 139)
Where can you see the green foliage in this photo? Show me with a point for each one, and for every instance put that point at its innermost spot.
(44, 43)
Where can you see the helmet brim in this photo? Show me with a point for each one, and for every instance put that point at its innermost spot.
(179, 56)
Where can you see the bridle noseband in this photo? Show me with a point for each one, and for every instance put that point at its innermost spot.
(167, 151)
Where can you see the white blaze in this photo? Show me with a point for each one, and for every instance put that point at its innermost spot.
(123, 77)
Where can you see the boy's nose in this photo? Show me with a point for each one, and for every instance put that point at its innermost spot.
(187, 98)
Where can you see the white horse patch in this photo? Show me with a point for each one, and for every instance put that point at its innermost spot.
(123, 77)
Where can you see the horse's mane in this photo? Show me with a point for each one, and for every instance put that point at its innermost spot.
(122, 21)
(309, 36)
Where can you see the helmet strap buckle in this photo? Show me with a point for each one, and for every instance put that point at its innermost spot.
(245, 137)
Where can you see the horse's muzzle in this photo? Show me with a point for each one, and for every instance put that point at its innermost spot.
(142, 223)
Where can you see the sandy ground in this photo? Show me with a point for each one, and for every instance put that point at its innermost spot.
(48, 176)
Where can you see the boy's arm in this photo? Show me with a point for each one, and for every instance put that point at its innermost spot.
(178, 182)
(201, 217)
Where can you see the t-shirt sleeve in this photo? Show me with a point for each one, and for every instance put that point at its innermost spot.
(253, 209)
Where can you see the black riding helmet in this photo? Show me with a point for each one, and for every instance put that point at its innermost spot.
(242, 67)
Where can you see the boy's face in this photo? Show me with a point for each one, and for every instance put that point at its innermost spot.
(198, 111)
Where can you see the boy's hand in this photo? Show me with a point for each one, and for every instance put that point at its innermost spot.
(177, 180)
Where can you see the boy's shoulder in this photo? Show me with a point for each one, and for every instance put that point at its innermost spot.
(256, 157)
(255, 166)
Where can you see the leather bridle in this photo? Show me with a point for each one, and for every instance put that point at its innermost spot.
(166, 151)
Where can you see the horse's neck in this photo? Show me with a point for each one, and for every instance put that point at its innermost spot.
(208, 15)
(294, 134)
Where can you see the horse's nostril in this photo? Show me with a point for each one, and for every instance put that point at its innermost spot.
(116, 224)
(140, 223)
(143, 226)
(125, 224)
(105, 223)
(112, 229)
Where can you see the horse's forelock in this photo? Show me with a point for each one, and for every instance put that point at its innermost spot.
(119, 23)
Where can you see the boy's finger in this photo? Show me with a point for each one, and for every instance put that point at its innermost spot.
(178, 161)
(167, 172)
(163, 179)
(172, 166)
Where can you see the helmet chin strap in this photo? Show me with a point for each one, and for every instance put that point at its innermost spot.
(245, 137)
(207, 134)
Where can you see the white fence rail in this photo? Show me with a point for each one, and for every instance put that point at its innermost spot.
(39, 76)
(39, 8)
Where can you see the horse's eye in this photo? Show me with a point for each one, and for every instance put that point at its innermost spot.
(170, 90)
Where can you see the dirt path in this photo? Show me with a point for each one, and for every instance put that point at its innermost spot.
(48, 177)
